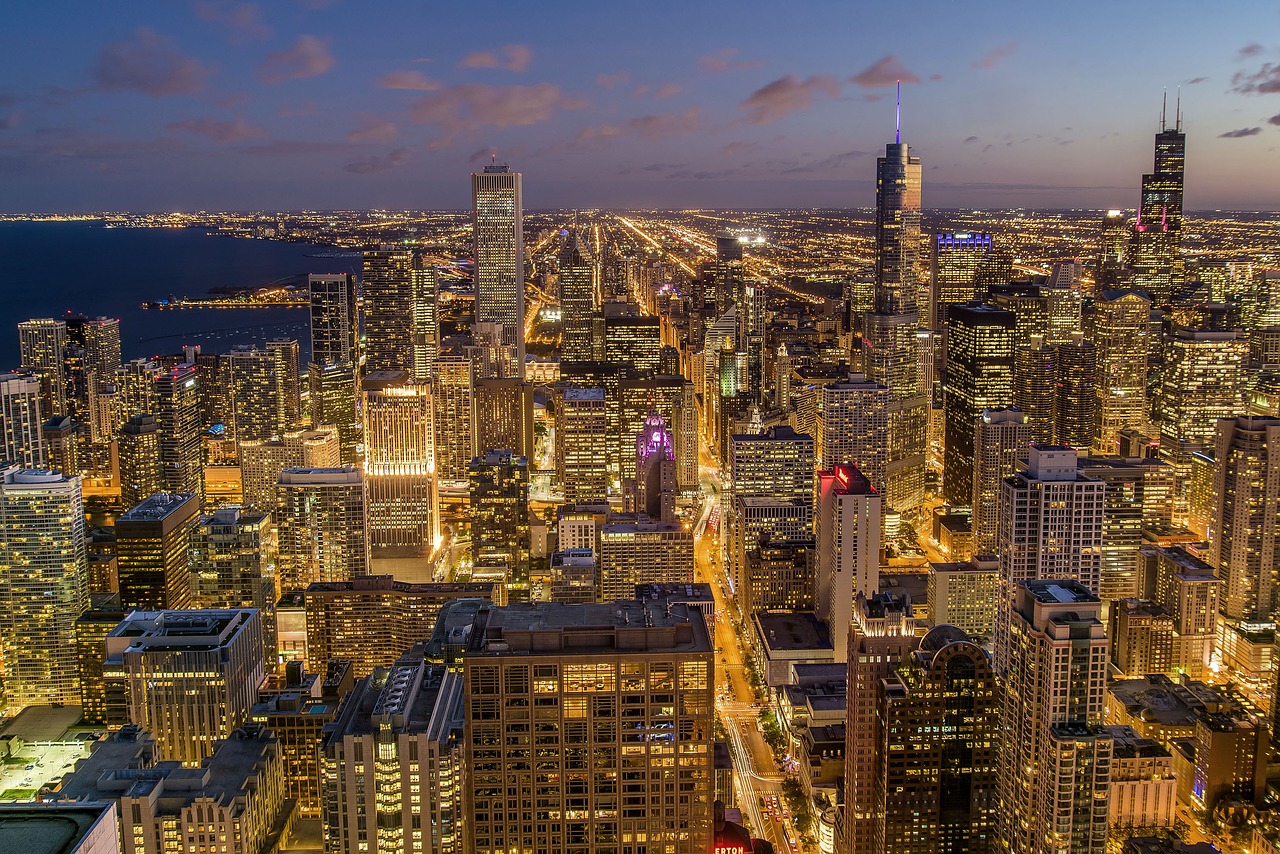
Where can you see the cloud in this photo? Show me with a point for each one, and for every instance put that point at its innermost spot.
(612, 81)
(733, 149)
(1251, 49)
(969, 139)
(1194, 80)
(1238, 134)
(1274, 120)
(1265, 80)
(298, 147)
(10, 121)
(666, 90)
(243, 19)
(219, 131)
(308, 57)
(668, 124)
(471, 106)
(480, 155)
(993, 57)
(786, 95)
(379, 131)
(374, 165)
(148, 63)
(828, 164)
(306, 108)
(885, 71)
(414, 80)
(726, 60)
(509, 57)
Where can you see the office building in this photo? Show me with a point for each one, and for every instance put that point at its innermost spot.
(153, 559)
(572, 578)
(979, 377)
(854, 427)
(498, 487)
(954, 258)
(644, 668)
(44, 586)
(1035, 386)
(231, 567)
(233, 799)
(582, 431)
(882, 636)
(578, 301)
(847, 523)
(655, 484)
(633, 341)
(1055, 756)
(775, 466)
(21, 440)
(635, 549)
(192, 676)
(391, 763)
(940, 769)
(1113, 250)
(965, 594)
(262, 462)
(1137, 496)
(179, 428)
(1245, 517)
(1076, 400)
(454, 419)
(92, 628)
(1155, 254)
(261, 399)
(321, 526)
(1000, 439)
(333, 401)
(386, 301)
(673, 398)
(334, 326)
(41, 343)
(371, 620)
(779, 575)
(498, 231)
(1117, 326)
(398, 464)
(504, 415)
(728, 276)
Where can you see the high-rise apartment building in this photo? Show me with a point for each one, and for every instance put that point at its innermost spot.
(153, 542)
(504, 415)
(1055, 756)
(965, 595)
(41, 343)
(60, 436)
(1117, 326)
(289, 356)
(386, 302)
(1155, 256)
(232, 567)
(259, 394)
(334, 325)
(398, 463)
(498, 231)
(179, 429)
(44, 586)
(192, 676)
(635, 549)
(498, 486)
(90, 359)
(1245, 517)
(642, 678)
(21, 441)
(578, 301)
(979, 377)
(262, 462)
(1035, 385)
(454, 419)
(1000, 439)
(138, 450)
(1074, 404)
(939, 784)
(424, 331)
(322, 526)
(854, 427)
(775, 466)
(391, 763)
(333, 394)
(1137, 496)
(847, 522)
(582, 432)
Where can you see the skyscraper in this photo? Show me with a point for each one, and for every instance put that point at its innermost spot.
(1156, 253)
(854, 427)
(1000, 438)
(231, 567)
(454, 418)
(499, 492)
(498, 231)
(1245, 517)
(41, 342)
(1055, 756)
(1077, 371)
(1117, 326)
(260, 396)
(90, 358)
(20, 421)
(954, 258)
(592, 788)
(287, 351)
(398, 464)
(578, 301)
(775, 466)
(386, 290)
(333, 319)
(44, 586)
(262, 462)
(979, 377)
(1035, 389)
(333, 401)
(138, 450)
(889, 337)
(582, 430)
(1137, 496)
(322, 524)
(504, 415)
(635, 549)
(424, 330)
(152, 552)
(847, 521)
(1113, 250)
(177, 411)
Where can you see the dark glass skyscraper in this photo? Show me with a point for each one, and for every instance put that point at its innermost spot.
(387, 292)
(979, 377)
(1156, 259)
(577, 301)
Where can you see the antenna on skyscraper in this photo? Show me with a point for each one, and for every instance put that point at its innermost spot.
(897, 134)
(1164, 109)
(1177, 111)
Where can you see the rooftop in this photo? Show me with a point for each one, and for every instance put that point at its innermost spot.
(559, 629)
(406, 697)
(1061, 591)
(792, 630)
(159, 507)
(50, 828)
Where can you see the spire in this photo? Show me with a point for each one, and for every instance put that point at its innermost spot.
(897, 134)
(1177, 112)
(1164, 110)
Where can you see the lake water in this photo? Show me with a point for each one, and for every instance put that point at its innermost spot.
(50, 268)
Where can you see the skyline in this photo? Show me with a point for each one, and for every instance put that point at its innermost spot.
(233, 106)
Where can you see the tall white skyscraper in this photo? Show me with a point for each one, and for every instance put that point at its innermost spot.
(499, 239)
(44, 586)
(847, 538)
(20, 420)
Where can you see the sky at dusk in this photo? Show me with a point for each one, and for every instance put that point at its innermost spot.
(332, 104)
